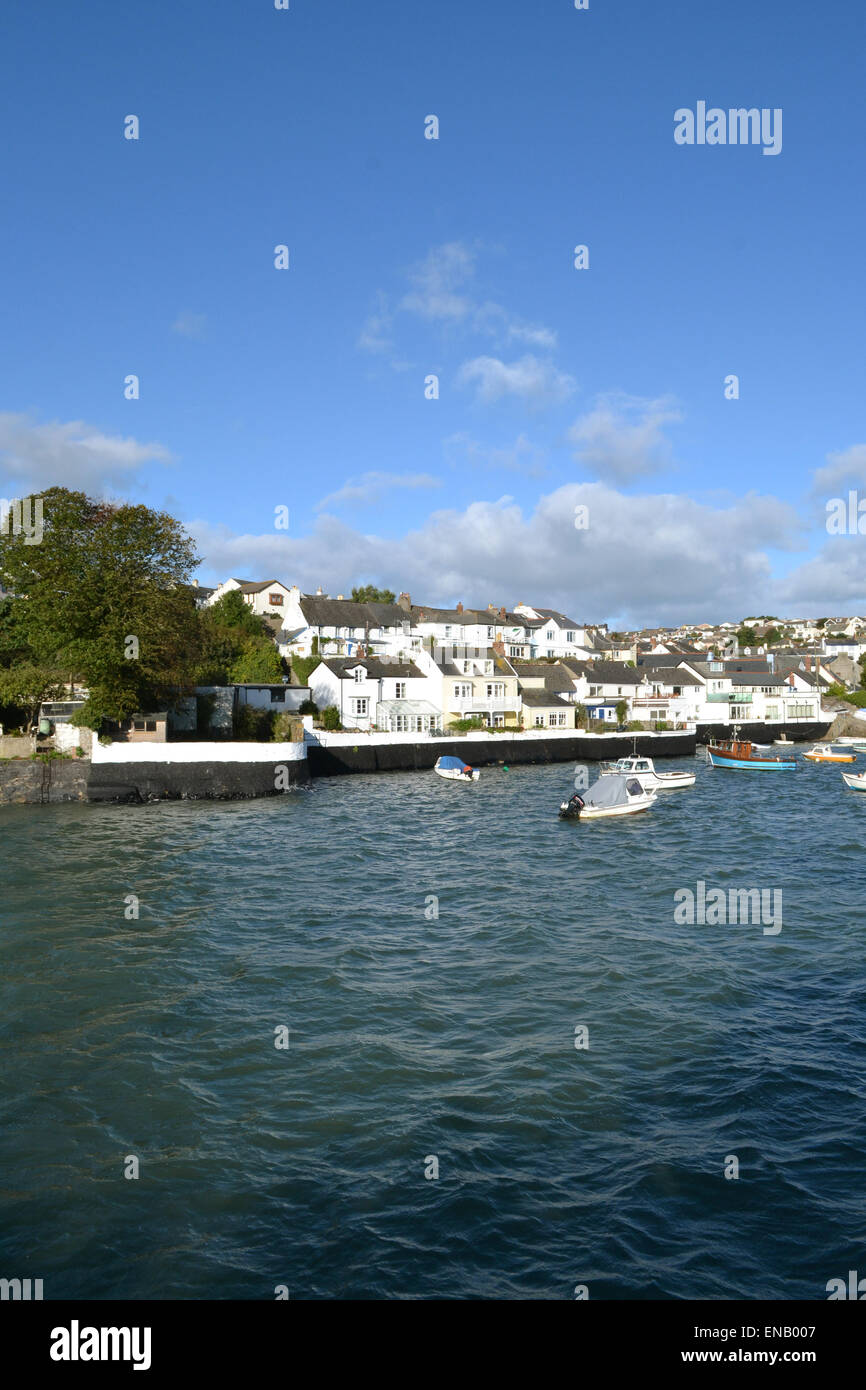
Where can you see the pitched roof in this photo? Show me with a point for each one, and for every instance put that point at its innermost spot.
(345, 612)
(255, 586)
(375, 668)
(544, 698)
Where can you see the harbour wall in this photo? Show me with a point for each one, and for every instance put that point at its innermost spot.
(24, 781)
(194, 771)
(763, 732)
(332, 755)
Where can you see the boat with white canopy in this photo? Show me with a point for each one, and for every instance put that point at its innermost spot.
(611, 795)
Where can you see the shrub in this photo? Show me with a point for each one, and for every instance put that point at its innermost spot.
(308, 707)
(254, 725)
(331, 718)
(465, 726)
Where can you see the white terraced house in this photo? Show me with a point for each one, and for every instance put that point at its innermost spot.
(736, 696)
(391, 696)
(467, 628)
(340, 626)
(553, 634)
(268, 597)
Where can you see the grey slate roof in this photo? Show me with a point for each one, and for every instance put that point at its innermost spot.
(376, 669)
(544, 699)
(345, 612)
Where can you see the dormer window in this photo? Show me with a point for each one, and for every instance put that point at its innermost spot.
(359, 674)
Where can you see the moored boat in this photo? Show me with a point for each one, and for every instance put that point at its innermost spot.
(644, 770)
(455, 770)
(611, 795)
(855, 780)
(827, 753)
(740, 754)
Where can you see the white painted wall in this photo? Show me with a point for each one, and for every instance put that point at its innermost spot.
(198, 752)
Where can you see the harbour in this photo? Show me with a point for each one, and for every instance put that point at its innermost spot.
(432, 995)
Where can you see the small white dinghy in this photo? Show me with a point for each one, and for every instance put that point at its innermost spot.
(455, 769)
(611, 795)
(855, 780)
(644, 770)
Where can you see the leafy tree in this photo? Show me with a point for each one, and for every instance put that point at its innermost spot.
(368, 593)
(102, 597)
(25, 686)
(331, 718)
(772, 636)
(236, 645)
(747, 637)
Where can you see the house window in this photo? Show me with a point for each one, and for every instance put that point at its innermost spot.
(515, 651)
(656, 714)
(463, 692)
(771, 712)
(495, 690)
(359, 674)
(449, 630)
(739, 712)
(569, 636)
(138, 724)
(359, 706)
(278, 696)
(498, 721)
(399, 690)
(150, 726)
(539, 721)
(595, 690)
(275, 599)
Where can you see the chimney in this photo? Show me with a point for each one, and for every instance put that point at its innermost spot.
(502, 614)
(405, 602)
(319, 592)
(498, 646)
(459, 608)
(339, 596)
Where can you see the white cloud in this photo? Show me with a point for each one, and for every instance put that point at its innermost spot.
(644, 559)
(71, 454)
(520, 457)
(531, 378)
(844, 468)
(622, 437)
(370, 487)
(437, 280)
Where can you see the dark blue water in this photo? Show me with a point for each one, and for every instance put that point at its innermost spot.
(413, 1037)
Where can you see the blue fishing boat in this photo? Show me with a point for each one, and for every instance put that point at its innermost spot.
(740, 754)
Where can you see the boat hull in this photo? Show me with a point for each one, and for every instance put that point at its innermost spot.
(855, 780)
(729, 760)
(603, 812)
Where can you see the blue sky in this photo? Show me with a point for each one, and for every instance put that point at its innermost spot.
(558, 387)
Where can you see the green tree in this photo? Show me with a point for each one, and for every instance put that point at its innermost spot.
(235, 645)
(747, 637)
(103, 598)
(368, 593)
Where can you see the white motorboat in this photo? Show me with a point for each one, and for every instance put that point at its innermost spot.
(455, 770)
(783, 742)
(611, 795)
(855, 780)
(644, 770)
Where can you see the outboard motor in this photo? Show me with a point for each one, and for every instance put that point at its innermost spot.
(571, 808)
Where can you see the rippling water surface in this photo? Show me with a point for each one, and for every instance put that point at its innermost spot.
(413, 1037)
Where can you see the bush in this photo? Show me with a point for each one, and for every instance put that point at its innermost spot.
(465, 726)
(858, 698)
(331, 718)
(254, 725)
(308, 707)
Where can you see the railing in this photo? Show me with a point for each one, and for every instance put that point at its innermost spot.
(728, 697)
